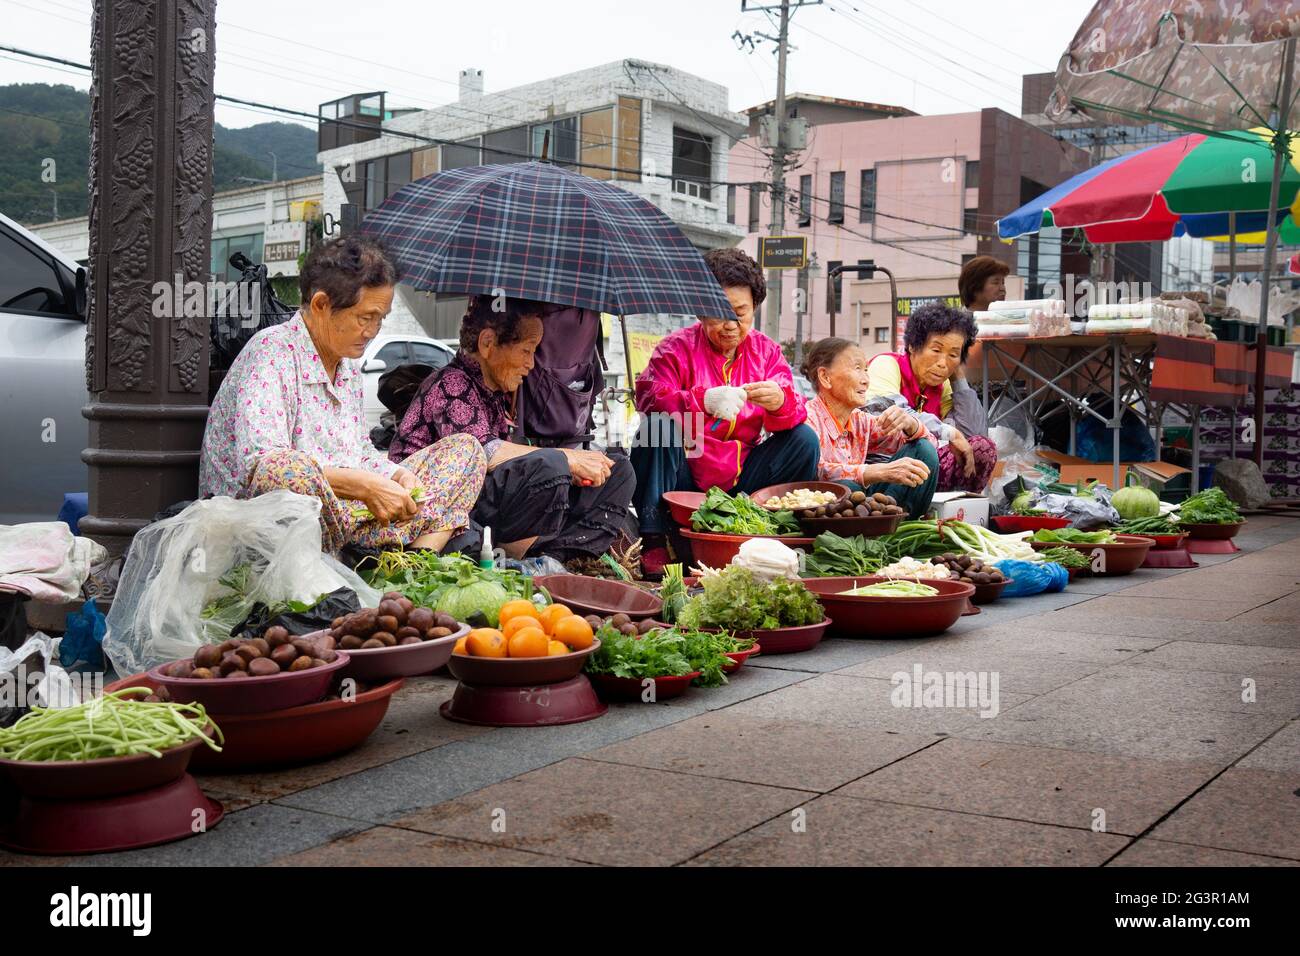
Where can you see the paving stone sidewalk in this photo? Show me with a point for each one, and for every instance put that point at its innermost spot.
(1152, 719)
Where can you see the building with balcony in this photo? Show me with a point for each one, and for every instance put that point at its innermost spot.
(657, 131)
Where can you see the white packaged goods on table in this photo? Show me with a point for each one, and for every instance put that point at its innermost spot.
(1049, 306)
(1031, 320)
(1157, 317)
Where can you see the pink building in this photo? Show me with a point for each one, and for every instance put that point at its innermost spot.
(916, 194)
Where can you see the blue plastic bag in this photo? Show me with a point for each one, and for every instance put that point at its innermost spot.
(1032, 578)
(83, 638)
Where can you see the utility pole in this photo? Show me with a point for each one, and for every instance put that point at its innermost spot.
(779, 150)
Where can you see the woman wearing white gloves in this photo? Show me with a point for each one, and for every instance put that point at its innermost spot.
(724, 385)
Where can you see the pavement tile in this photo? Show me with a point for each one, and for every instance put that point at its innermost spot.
(1017, 673)
(1241, 659)
(1137, 689)
(1280, 752)
(1113, 625)
(1149, 852)
(389, 846)
(844, 831)
(1136, 728)
(249, 837)
(608, 813)
(1234, 587)
(1164, 609)
(831, 655)
(746, 683)
(1042, 637)
(866, 703)
(412, 725)
(1283, 610)
(1038, 784)
(1252, 811)
(779, 753)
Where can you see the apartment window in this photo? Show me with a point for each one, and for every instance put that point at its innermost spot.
(374, 173)
(754, 198)
(867, 198)
(692, 163)
(882, 336)
(597, 143)
(970, 223)
(837, 198)
(506, 146)
(629, 139)
(399, 172)
(805, 200)
(467, 152)
(559, 138)
(972, 174)
(836, 287)
(731, 205)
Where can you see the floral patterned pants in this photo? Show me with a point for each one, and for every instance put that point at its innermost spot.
(952, 476)
(450, 471)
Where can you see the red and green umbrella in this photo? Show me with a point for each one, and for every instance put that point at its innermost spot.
(1187, 186)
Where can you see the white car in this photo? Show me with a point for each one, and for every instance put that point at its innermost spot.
(387, 352)
(42, 376)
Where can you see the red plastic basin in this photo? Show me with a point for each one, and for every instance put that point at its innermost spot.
(567, 702)
(519, 671)
(376, 664)
(1212, 532)
(871, 527)
(1166, 542)
(1011, 524)
(717, 550)
(600, 596)
(96, 779)
(738, 658)
(284, 738)
(609, 687)
(787, 640)
(682, 504)
(1123, 556)
(885, 617)
(252, 695)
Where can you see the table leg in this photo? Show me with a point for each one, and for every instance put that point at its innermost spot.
(1196, 448)
(1115, 411)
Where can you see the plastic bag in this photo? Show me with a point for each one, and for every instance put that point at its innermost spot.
(251, 307)
(1083, 513)
(233, 552)
(1019, 459)
(317, 618)
(30, 677)
(1029, 577)
(83, 638)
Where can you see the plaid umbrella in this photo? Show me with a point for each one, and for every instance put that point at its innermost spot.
(536, 231)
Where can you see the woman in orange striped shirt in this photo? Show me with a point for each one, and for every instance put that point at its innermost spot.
(837, 369)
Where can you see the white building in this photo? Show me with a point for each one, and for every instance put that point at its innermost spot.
(267, 222)
(657, 131)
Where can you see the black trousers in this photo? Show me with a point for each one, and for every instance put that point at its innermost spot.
(534, 494)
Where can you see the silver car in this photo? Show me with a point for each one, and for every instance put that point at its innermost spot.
(42, 376)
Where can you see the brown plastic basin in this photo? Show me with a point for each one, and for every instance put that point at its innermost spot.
(600, 596)
(886, 617)
(519, 671)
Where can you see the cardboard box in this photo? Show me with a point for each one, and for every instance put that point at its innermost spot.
(961, 506)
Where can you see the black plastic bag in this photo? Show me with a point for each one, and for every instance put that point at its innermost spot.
(317, 618)
(235, 322)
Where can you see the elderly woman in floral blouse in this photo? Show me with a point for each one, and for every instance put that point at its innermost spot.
(289, 415)
(837, 369)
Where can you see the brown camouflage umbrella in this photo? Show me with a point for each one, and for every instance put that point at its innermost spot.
(1206, 66)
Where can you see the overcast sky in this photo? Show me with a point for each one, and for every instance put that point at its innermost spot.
(933, 56)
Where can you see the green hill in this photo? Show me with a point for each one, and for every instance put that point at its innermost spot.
(40, 122)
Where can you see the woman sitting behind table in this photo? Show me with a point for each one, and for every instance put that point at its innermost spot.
(564, 502)
(289, 416)
(837, 369)
(928, 378)
(685, 380)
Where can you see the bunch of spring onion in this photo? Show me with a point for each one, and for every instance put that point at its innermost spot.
(927, 539)
(1065, 557)
(894, 589)
(364, 514)
(119, 724)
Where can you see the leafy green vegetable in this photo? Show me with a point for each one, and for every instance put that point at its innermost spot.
(473, 595)
(721, 513)
(732, 599)
(1073, 536)
(706, 652)
(673, 592)
(1210, 506)
(425, 577)
(1020, 505)
(657, 653)
(835, 556)
(1153, 525)
(1066, 557)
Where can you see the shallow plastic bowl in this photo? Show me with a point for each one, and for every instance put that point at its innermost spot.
(1124, 555)
(884, 617)
(609, 687)
(600, 596)
(519, 671)
(1012, 524)
(682, 504)
(95, 779)
(834, 487)
(252, 695)
(402, 660)
(1213, 532)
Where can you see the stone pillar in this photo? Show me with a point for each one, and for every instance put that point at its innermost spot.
(150, 184)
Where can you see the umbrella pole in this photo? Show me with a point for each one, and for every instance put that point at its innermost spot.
(1232, 249)
(1280, 155)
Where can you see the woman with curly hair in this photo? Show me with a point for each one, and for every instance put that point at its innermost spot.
(928, 377)
(725, 386)
(563, 502)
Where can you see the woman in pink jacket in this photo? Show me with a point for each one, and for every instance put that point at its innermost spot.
(709, 394)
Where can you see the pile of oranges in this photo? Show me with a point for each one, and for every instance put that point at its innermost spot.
(527, 631)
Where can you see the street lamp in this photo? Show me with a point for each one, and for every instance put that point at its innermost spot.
(866, 270)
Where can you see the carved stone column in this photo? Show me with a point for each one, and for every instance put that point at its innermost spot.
(150, 221)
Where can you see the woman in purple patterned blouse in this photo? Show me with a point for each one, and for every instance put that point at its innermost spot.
(565, 502)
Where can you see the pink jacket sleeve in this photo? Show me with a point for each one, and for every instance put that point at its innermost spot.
(793, 412)
(663, 386)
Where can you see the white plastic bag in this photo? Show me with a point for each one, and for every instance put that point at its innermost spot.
(31, 677)
(177, 566)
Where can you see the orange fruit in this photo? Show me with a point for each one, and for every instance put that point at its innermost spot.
(555, 648)
(460, 646)
(552, 613)
(517, 623)
(528, 642)
(516, 608)
(574, 631)
(485, 642)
